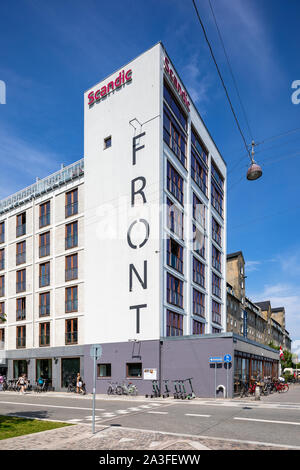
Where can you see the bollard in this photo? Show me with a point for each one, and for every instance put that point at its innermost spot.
(257, 392)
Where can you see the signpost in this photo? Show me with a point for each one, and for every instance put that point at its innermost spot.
(216, 360)
(95, 353)
(227, 360)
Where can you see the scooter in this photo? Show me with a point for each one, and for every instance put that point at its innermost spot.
(155, 388)
(192, 394)
(166, 393)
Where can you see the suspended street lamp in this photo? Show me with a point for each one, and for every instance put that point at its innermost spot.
(254, 171)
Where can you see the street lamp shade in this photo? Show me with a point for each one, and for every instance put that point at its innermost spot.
(254, 171)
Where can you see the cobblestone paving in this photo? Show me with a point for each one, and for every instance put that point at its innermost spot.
(79, 437)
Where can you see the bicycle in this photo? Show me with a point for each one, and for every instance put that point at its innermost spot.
(129, 389)
(114, 389)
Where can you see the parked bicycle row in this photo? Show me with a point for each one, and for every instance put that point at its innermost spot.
(248, 389)
(179, 392)
(22, 384)
(116, 388)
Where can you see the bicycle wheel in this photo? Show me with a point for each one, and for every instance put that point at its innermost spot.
(285, 388)
(110, 390)
(119, 390)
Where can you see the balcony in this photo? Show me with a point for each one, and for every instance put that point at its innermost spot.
(71, 305)
(71, 338)
(44, 280)
(44, 220)
(71, 274)
(21, 342)
(71, 209)
(44, 250)
(20, 286)
(44, 340)
(21, 230)
(71, 241)
(44, 310)
(21, 258)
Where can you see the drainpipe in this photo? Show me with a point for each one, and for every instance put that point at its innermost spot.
(160, 366)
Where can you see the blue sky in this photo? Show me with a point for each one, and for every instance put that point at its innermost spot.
(51, 52)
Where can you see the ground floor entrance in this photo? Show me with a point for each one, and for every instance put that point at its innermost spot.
(69, 370)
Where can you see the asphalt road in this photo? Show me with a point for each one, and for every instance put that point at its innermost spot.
(260, 422)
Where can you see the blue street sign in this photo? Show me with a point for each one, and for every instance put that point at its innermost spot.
(213, 360)
(227, 358)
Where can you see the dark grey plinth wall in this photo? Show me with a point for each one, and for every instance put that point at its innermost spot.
(180, 358)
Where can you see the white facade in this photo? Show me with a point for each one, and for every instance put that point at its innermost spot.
(126, 192)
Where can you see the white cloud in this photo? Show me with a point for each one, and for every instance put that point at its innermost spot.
(251, 266)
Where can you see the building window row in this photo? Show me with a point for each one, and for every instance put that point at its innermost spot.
(174, 183)
(174, 255)
(71, 334)
(174, 291)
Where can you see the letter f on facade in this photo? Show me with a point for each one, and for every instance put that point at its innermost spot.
(2, 92)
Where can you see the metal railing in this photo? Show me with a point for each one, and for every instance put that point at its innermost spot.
(71, 274)
(75, 170)
(71, 338)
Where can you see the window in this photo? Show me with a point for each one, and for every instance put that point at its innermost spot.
(21, 308)
(217, 199)
(198, 210)
(21, 253)
(2, 286)
(217, 176)
(2, 338)
(71, 235)
(44, 274)
(174, 291)
(2, 232)
(216, 312)
(104, 370)
(71, 267)
(44, 339)
(199, 146)
(44, 248)
(198, 272)
(199, 172)
(107, 142)
(71, 331)
(174, 324)
(2, 259)
(175, 106)
(134, 369)
(198, 328)
(216, 232)
(71, 299)
(175, 255)
(216, 330)
(198, 242)
(44, 214)
(174, 135)
(21, 224)
(198, 303)
(21, 336)
(44, 306)
(216, 258)
(175, 219)
(174, 183)
(71, 203)
(21, 280)
(216, 285)
(2, 312)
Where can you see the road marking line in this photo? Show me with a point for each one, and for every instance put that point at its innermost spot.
(268, 421)
(145, 406)
(50, 406)
(123, 412)
(195, 436)
(158, 412)
(201, 416)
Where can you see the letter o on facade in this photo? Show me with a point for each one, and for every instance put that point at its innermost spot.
(143, 221)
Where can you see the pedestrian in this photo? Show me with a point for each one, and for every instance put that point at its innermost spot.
(78, 383)
(22, 383)
(1, 382)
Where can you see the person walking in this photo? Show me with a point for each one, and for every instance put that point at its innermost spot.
(22, 383)
(1, 382)
(78, 383)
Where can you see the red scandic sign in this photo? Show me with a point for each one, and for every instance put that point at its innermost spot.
(97, 95)
(182, 93)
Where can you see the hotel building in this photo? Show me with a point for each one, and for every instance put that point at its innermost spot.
(125, 248)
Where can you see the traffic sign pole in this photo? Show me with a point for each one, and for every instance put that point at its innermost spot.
(95, 353)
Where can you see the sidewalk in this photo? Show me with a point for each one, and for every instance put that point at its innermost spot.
(106, 438)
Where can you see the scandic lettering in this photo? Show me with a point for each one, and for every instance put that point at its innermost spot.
(123, 77)
(182, 93)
